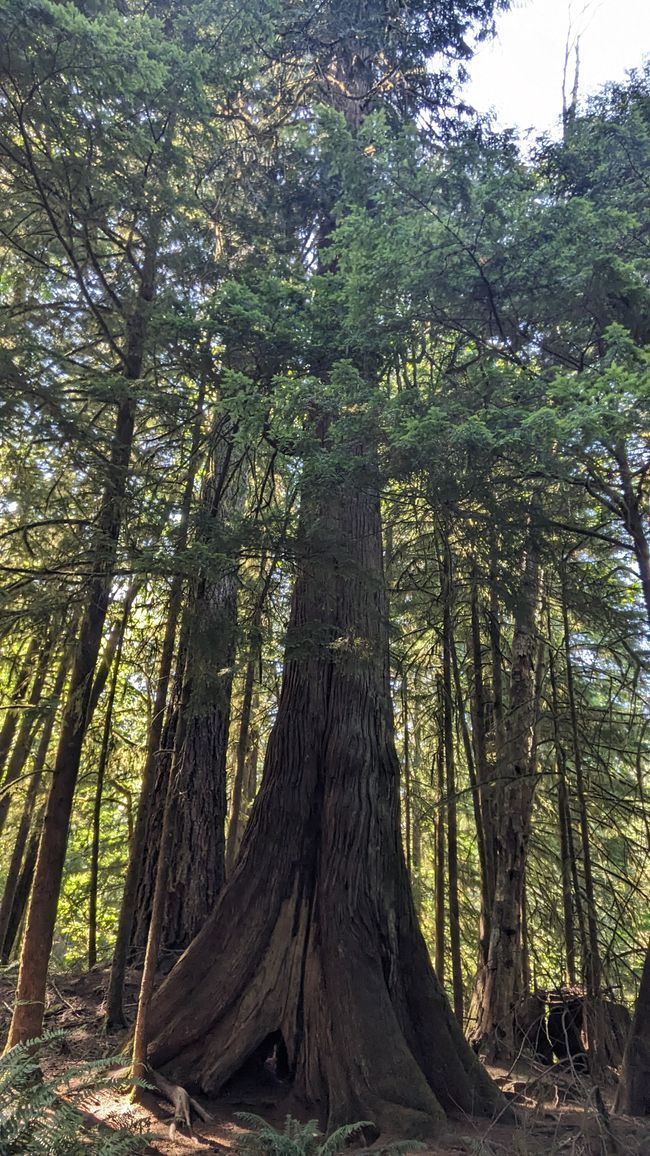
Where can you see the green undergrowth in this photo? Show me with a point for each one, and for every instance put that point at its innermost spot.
(297, 1139)
(47, 1115)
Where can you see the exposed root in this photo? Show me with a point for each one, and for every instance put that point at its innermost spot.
(182, 1102)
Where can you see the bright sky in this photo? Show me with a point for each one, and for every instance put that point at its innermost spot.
(519, 75)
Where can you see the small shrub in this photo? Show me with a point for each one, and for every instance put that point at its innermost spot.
(36, 1119)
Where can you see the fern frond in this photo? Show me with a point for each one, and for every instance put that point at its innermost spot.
(340, 1139)
(35, 1119)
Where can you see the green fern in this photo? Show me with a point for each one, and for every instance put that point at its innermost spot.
(35, 1119)
(298, 1139)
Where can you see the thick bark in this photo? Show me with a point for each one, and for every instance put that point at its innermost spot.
(197, 854)
(315, 935)
(197, 851)
(633, 1096)
(497, 999)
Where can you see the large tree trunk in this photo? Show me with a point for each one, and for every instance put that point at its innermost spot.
(498, 980)
(633, 1096)
(315, 935)
(197, 858)
(197, 849)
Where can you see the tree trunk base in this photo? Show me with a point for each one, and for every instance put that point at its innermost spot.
(365, 1030)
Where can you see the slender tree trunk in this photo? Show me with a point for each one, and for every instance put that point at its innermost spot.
(104, 753)
(474, 785)
(523, 978)
(138, 845)
(8, 729)
(416, 872)
(484, 774)
(22, 890)
(592, 962)
(450, 785)
(565, 825)
(322, 919)
(157, 921)
(496, 656)
(23, 744)
(635, 522)
(406, 762)
(103, 668)
(22, 834)
(114, 995)
(236, 825)
(441, 849)
(28, 1011)
(495, 1028)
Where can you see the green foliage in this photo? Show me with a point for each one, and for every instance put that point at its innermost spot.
(43, 1115)
(298, 1139)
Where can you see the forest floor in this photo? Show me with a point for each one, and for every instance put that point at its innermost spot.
(556, 1114)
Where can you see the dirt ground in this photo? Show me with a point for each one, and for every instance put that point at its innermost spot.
(555, 1113)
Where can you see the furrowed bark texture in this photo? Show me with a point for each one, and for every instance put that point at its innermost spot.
(633, 1096)
(315, 935)
(197, 849)
(197, 867)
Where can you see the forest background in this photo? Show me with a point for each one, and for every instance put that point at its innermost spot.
(259, 263)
